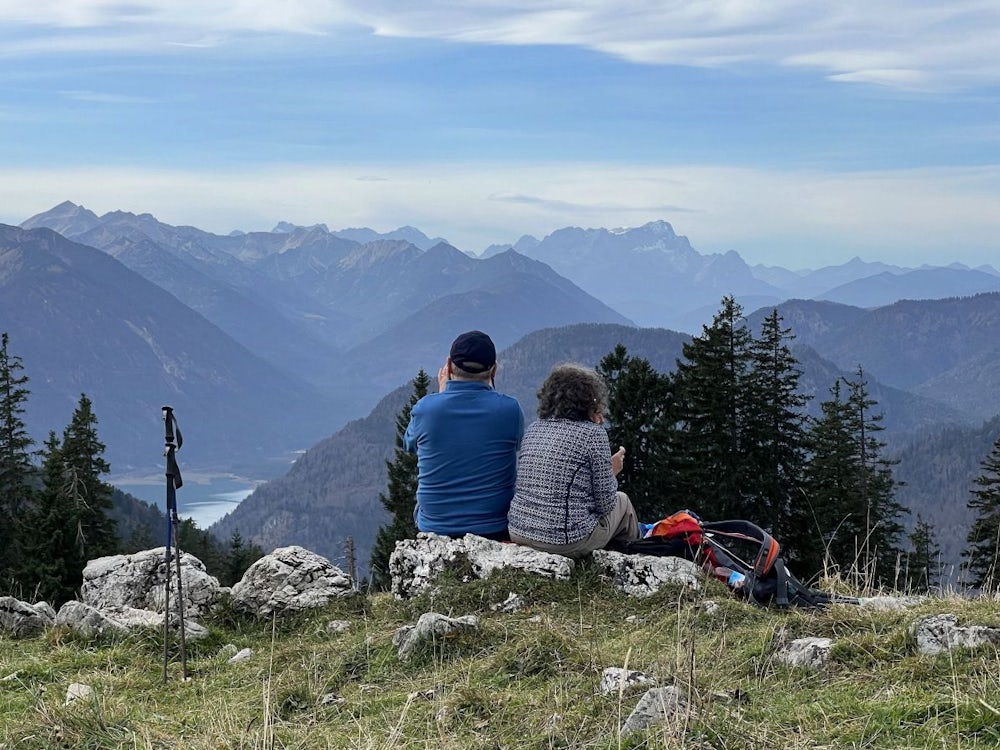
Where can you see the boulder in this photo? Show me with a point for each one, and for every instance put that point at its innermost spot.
(643, 575)
(86, 620)
(289, 579)
(416, 563)
(137, 581)
(22, 619)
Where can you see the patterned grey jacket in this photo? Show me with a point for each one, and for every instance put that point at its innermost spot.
(564, 481)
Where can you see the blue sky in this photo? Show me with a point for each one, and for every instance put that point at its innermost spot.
(797, 133)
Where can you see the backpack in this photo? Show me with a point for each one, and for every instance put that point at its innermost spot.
(739, 553)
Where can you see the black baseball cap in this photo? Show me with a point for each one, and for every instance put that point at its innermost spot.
(474, 352)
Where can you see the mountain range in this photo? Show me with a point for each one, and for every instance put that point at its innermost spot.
(272, 343)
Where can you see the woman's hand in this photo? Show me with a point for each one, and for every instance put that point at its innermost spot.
(618, 460)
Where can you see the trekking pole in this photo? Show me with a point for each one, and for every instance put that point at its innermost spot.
(173, 441)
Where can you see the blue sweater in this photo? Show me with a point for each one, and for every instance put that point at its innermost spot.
(466, 439)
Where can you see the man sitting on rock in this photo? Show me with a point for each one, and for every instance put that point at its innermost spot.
(466, 438)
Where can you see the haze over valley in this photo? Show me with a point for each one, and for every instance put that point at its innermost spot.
(297, 345)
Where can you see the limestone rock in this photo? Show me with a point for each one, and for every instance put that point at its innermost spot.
(416, 563)
(431, 626)
(643, 575)
(290, 578)
(614, 679)
(137, 581)
(940, 633)
(22, 619)
(664, 706)
(78, 691)
(86, 620)
(811, 653)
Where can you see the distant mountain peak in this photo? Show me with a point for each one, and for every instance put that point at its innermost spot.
(286, 227)
(67, 218)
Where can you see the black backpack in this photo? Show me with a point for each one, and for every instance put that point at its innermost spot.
(739, 553)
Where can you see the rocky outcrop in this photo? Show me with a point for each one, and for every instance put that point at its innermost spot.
(644, 575)
(289, 579)
(122, 582)
(416, 563)
(941, 633)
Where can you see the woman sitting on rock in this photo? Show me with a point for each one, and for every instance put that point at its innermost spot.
(567, 499)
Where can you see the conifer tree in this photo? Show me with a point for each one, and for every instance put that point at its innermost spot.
(84, 464)
(711, 389)
(775, 435)
(982, 556)
(882, 530)
(15, 462)
(922, 565)
(401, 499)
(240, 557)
(850, 490)
(638, 415)
(70, 522)
(53, 567)
(828, 481)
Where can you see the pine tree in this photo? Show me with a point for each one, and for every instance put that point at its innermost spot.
(711, 388)
(775, 436)
(638, 404)
(401, 499)
(84, 464)
(240, 557)
(70, 521)
(982, 556)
(850, 490)
(880, 543)
(52, 567)
(16, 465)
(923, 563)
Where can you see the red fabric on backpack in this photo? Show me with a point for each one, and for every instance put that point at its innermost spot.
(677, 524)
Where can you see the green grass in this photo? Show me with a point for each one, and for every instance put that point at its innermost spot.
(524, 680)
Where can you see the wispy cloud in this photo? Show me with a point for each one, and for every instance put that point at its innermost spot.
(894, 43)
(100, 97)
(584, 208)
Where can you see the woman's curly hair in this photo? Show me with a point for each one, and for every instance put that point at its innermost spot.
(572, 391)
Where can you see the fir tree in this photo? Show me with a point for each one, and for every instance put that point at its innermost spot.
(880, 542)
(982, 556)
(84, 464)
(70, 522)
(775, 436)
(52, 566)
(711, 388)
(850, 490)
(16, 465)
(240, 557)
(638, 404)
(401, 499)
(923, 562)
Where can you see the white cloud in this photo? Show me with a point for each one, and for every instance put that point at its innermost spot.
(895, 43)
(771, 216)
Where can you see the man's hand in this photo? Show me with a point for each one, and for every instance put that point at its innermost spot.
(443, 377)
(618, 460)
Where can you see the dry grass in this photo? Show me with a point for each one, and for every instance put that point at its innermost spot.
(523, 680)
